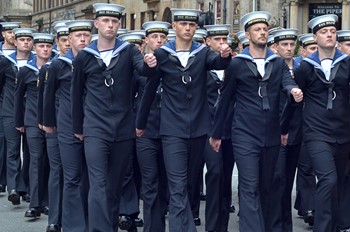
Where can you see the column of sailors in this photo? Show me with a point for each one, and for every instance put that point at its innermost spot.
(166, 102)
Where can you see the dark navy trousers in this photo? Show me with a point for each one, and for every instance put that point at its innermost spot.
(154, 183)
(107, 164)
(75, 185)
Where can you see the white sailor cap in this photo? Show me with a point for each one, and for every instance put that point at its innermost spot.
(23, 32)
(94, 37)
(43, 38)
(271, 37)
(171, 34)
(60, 23)
(343, 35)
(134, 38)
(79, 25)
(185, 14)
(255, 17)
(229, 39)
(322, 21)
(285, 34)
(307, 39)
(219, 29)
(156, 26)
(107, 9)
(242, 38)
(7, 26)
(121, 31)
(140, 32)
(200, 35)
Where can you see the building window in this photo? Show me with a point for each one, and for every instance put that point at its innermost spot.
(143, 16)
(132, 21)
(123, 19)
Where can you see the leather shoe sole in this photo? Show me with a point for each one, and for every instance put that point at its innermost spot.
(14, 198)
(125, 223)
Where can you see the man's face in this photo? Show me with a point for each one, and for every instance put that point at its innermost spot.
(308, 50)
(63, 44)
(285, 49)
(79, 40)
(215, 42)
(257, 34)
(24, 44)
(9, 37)
(344, 47)
(43, 50)
(185, 29)
(326, 37)
(107, 26)
(155, 40)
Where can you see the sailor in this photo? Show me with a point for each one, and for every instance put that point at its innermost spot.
(243, 40)
(281, 214)
(254, 81)
(9, 66)
(305, 180)
(324, 78)
(8, 46)
(27, 84)
(149, 144)
(102, 113)
(185, 121)
(344, 41)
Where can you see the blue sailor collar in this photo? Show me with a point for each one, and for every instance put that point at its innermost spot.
(170, 47)
(314, 59)
(32, 65)
(68, 57)
(13, 58)
(1, 43)
(245, 54)
(119, 46)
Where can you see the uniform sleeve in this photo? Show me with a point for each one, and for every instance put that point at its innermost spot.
(50, 89)
(39, 110)
(77, 93)
(146, 102)
(139, 65)
(216, 62)
(227, 93)
(19, 98)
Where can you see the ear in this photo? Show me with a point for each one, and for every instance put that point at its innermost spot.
(96, 23)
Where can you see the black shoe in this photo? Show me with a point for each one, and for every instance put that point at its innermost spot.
(32, 213)
(125, 223)
(138, 222)
(202, 196)
(309, 217)
(14, 197)
(300, 213)
(197, 221)
(26, 197)
(2, 188)
(53, 228)
(44, 210)
(232, 209)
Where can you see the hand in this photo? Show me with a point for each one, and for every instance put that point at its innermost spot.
(284, 139)
(225, 50)
(150, 60)
(49, 130)
(79, 136)
(139, 132)
(40, 126)
(215, 144)
(297, 94)
(20, 129)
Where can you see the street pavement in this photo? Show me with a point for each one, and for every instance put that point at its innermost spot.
(12, 217)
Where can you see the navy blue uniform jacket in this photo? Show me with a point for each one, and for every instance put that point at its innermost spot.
(184, 110)
(321, 122)
(251, 122)
(99, 110)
